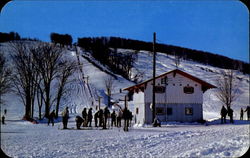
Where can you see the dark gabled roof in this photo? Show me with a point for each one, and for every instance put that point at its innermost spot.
(204, 84)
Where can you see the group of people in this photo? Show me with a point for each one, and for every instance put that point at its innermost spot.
(102, 116)
(229, 111)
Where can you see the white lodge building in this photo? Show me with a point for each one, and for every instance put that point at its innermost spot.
(178, 97)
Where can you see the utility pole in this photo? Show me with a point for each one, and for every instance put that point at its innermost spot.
(153, 91)
(99, 102)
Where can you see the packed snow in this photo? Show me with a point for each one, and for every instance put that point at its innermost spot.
(24, 139)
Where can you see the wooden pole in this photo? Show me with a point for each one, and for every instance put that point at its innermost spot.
(125, 102)
(154, 69)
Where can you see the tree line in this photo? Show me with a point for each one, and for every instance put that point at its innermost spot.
(5, 37)
(39, 70)
(61, 39)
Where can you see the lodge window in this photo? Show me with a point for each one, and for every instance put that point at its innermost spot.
(188, 111)
(188, 90)
(160, 111)
(137, 110)
(169, 111)
(164, 80)
(160, 89)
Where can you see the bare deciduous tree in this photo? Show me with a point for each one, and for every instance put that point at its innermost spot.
(67, 68)
(109, 85)
(227, 88)
(5, 81)
(177, 60)
(24, 76)
(47, 64)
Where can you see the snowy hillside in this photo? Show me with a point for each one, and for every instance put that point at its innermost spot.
(23, 139)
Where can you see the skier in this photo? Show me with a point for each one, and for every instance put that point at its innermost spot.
(5, 111)
(126, 118)
(79, 122)
(90, 117)
(248, 112)
(223, 114)
(65, 117)
(113, 118)
(84, 116)
(230, 114)
(106, 115)
(241, 114)
(96, 118)
(52, 115)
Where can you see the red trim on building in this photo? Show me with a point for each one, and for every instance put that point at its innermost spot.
(205, 85)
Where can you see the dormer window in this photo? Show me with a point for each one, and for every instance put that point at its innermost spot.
(188, 90)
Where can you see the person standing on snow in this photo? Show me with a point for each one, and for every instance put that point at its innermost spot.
(52, 115)
(241, 114)
(65, 117)
(230, 114)
(126, 118)
(90, 117)
(84, 116)
(248, 112)
(106, 115)
(113, 118)
(119, 119)
(96, 118)
(223, 114)
(100, 118)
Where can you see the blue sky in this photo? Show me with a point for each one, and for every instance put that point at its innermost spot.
(217, 26)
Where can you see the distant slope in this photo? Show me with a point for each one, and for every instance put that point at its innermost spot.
(185, 53)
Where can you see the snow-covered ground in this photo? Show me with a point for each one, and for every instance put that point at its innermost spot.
(23, 139)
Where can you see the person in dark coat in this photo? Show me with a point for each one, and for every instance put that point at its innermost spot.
(130, 118)
(230, 114)
(52, 115)
(79, 120)
(3, 120)
(248, 112)
(65, 117)
(126, 118)
(241, 114)
(223, 114)
(113, 118)
(156, 122)
(90, 117)
(5, 111)
(100, 118)
(119, 119)
(106, 115)
(96, 118)
(84, 116)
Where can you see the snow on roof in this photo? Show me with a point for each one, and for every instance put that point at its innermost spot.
(204, 84)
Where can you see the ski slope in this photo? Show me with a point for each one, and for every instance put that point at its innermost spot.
(22, 139)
